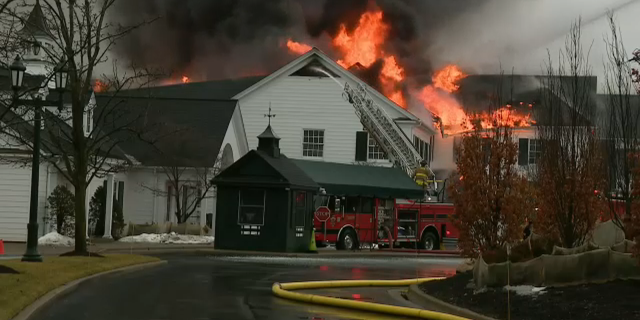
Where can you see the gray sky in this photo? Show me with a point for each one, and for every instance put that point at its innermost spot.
(518, 33)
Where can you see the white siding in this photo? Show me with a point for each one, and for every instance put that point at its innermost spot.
(444, 148)
(138, 198)
(304, 103)
(15, 193)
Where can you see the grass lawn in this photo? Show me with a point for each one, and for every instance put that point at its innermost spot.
(17, 291)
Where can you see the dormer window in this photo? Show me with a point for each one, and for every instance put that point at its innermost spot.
(36, 48)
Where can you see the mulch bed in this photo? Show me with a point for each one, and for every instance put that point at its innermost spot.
(7, 270)
(612, 300)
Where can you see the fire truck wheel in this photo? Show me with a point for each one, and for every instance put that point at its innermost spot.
(429, 241)
(347, 241)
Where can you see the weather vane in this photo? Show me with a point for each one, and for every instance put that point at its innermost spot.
(270, 115)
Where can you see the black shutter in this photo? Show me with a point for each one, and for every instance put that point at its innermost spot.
(121, 195)
(433, 143)
(362, 145)
(523, 155)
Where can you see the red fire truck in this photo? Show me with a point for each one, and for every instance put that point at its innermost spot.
(348, 222)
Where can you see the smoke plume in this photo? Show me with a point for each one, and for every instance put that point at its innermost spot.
(234, 38)
(216, 39)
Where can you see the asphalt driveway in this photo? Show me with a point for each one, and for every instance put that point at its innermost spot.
(235, 287)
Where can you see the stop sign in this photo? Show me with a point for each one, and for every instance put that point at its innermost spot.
(323, 213)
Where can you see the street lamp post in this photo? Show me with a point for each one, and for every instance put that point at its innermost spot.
(17, 77)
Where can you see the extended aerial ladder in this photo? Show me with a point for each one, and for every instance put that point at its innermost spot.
(386, 133)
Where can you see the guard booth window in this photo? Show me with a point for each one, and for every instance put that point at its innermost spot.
(300, 209)
(251, 207)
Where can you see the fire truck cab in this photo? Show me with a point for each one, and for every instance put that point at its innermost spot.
(386, 222)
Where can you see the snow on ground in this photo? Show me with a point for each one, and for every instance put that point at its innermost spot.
(55, 239)
(525, 290)
(168, 238)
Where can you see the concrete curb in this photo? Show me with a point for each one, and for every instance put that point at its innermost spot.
(27, 312)
(320, 254)
(417, 296)
(170, 248)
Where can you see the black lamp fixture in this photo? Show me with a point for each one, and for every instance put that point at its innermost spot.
(18, 69)
(17, 73)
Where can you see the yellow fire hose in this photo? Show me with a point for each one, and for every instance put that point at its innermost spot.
(282, 290)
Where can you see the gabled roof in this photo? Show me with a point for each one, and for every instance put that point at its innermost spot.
(361, 180)
(215, 90)
(36, 24)
(335, 68)
(175, 132)
(257, 168)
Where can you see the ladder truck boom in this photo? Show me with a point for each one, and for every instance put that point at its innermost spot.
(383, 130)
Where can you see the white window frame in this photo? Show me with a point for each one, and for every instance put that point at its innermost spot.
(374, 152)
(534, 155)
(309, 135)
(263, 206)
(423, 148)
(88, 121)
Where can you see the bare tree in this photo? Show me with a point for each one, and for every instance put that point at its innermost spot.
(622, 126)
(82, 141)
(491, 196)
(188, 169)
(570, 167)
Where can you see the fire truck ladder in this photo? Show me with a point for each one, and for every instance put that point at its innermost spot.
(385, 132)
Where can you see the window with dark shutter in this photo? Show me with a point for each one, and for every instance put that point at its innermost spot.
(362, 145)
(523, 154)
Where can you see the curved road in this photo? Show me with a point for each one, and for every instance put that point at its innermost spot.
(193, 287)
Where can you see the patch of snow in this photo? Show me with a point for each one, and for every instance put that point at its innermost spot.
(55, 239)
(525, 290)
(172, 237)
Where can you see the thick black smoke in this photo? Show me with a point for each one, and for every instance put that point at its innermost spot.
(213, 39)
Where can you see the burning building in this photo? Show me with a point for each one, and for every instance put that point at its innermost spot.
(381, 42)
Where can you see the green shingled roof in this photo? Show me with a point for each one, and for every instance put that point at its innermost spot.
(358, 180)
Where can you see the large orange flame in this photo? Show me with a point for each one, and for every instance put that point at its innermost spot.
(364, 44)
(449, 115)
(448, 78)
(297, 47)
